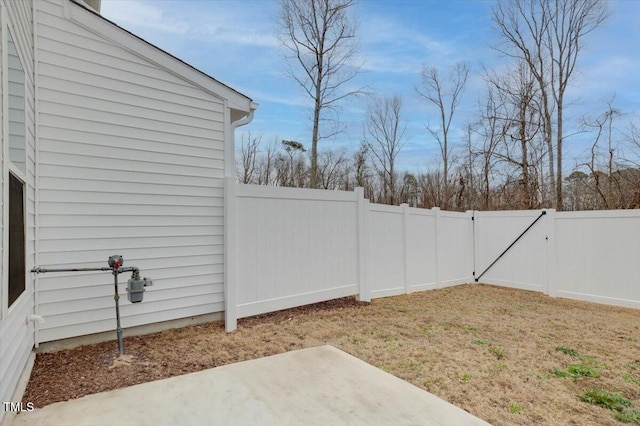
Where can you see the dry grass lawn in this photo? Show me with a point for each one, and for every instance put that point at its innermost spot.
(497, 353)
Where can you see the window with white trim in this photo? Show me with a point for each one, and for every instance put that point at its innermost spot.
(17, 283)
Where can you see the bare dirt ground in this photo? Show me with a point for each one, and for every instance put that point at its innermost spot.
(498, 353)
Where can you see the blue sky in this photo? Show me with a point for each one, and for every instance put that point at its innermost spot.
(236, 42)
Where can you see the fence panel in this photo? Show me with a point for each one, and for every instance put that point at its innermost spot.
(598, 256)
(294, 247)
(455, 248)
(524, 266)
(386, 251)
(421, 256)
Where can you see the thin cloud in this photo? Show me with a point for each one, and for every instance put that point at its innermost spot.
(276, 97)
(233, 35)
(211, 22)
(142, 15)
(390, 46)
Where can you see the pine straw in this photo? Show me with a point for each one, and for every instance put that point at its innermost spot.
(486, 349)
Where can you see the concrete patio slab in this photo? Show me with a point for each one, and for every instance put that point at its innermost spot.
(317, 386)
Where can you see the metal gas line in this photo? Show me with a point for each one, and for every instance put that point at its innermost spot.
(135, 285)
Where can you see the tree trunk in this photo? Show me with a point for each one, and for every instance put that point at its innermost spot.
(559, 204)
(525, 163)
(313, 172)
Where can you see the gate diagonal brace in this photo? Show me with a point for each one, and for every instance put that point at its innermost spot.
(544, 212)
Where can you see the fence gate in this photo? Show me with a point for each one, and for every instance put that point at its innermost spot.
(511, 249)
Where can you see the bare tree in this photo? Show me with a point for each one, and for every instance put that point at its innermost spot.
(633, 138)
(430, 189)
(384, 135)
(320, 38)
(290, 166)
(604, 172)
(331, 165)
(577, 191)
(547, 35)
(360, 163)
(632, 159)
(445, 95)
(265, 173)
(491, 131)
(518, 114)
(248, 157)
(609, 176)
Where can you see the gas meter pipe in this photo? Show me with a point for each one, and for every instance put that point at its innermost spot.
(116, 298)
(43, 270)
(135, 286)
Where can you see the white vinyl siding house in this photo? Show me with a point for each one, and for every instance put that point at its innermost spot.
(16, 104)
(18, 159)
(124, 150)
(131, 162)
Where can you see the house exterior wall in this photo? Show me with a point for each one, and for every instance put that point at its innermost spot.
(131, 162)
(16, 334)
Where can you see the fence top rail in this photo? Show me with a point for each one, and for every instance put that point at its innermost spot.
(508, 213)
(455, 215)
(385, 208)
(599, 214)
(416, 211)
(280, 192)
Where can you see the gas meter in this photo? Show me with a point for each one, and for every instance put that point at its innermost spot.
(135, 287)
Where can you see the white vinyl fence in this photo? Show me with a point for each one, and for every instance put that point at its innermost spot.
(589, 255)
(294, 247)
(412, 249)
(597, 257)
(525, 264)
(288, 247)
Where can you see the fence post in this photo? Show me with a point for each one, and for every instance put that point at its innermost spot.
(363, 245)
(405, 243)
(230, 229)
(472, 214)
(552, 289)
(436, 237)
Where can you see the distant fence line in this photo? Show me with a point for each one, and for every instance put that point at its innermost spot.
(288, 247)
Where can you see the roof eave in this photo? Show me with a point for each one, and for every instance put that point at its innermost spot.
(98, 24)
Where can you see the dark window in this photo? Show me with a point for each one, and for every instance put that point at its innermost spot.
(16, 239)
